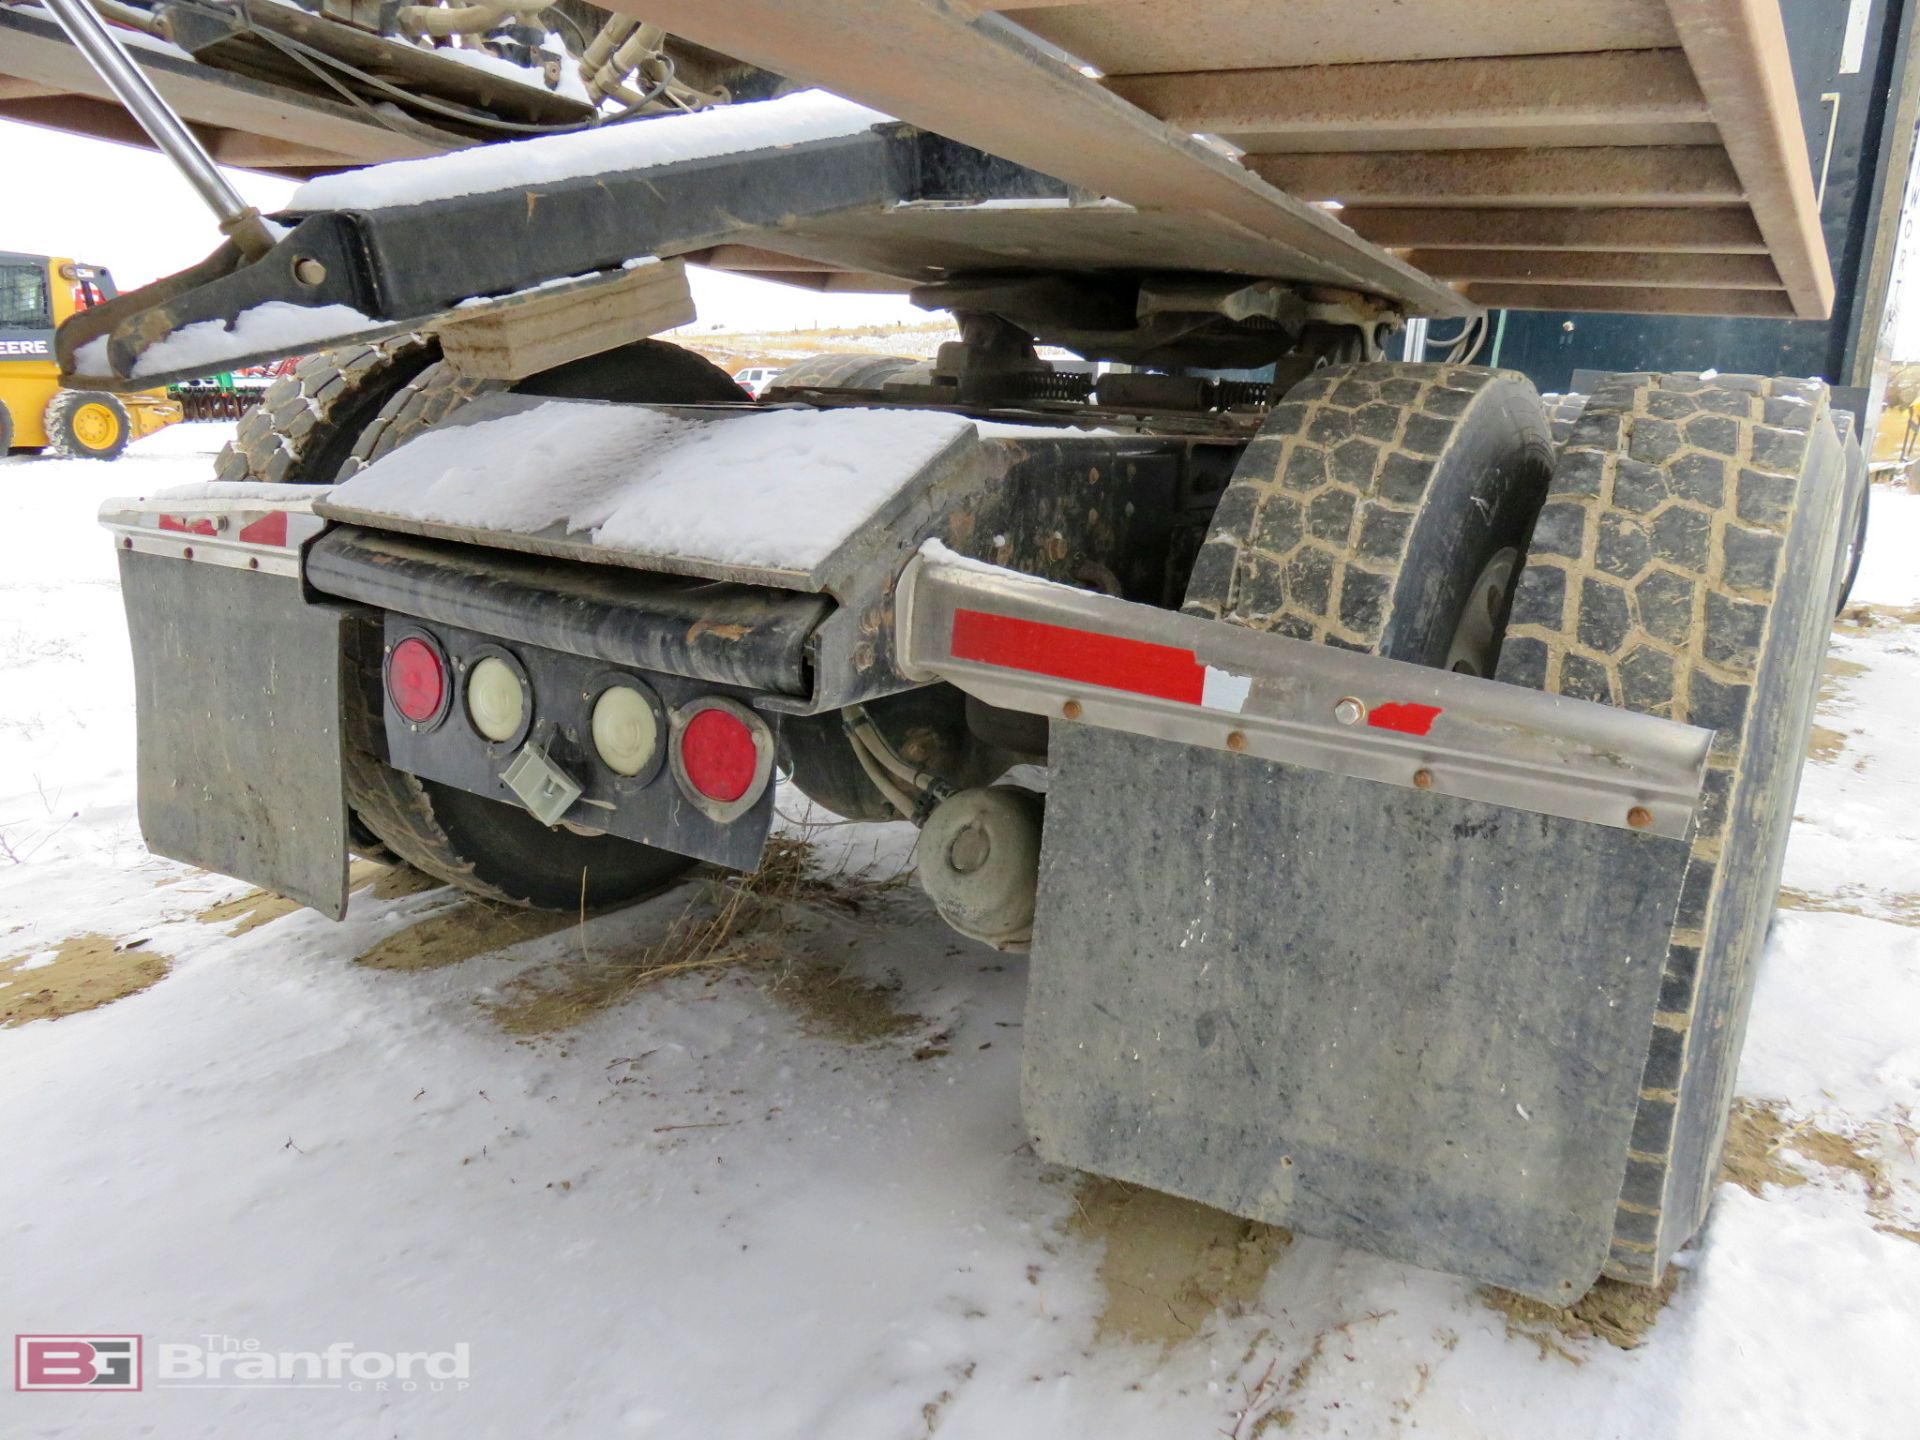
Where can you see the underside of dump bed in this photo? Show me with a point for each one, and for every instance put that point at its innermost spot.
(1645, 155)
(1079, 170)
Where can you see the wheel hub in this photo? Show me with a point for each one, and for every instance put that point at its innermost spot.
(95, 426)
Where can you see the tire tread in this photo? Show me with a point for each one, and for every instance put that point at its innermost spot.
(1313, 531)
(1665, 578)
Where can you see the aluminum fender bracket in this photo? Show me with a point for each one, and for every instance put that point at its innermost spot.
(1046, 649)
(243, 527)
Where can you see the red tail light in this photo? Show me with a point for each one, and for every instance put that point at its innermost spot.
(719, 755)
(722, 756)
(417, 680)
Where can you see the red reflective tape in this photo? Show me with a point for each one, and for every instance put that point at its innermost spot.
(267, 530)
(1404, 716)
(1086, 656)
(186, 527)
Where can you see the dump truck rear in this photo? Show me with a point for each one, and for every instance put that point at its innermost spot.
(1390, 793)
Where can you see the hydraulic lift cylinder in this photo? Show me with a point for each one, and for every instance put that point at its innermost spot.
(130, 86)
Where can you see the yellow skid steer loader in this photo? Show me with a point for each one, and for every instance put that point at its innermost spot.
(37, 293)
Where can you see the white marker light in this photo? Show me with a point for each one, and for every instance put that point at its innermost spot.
(626, 731)
(496, 700)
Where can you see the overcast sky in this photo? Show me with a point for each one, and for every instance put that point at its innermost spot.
(125, 208)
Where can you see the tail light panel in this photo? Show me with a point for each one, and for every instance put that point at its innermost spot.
(667, 761)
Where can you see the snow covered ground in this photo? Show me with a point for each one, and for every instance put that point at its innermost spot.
(791, 1198)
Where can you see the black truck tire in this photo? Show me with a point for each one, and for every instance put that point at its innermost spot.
(844, 371)
(1683, 566)
(6, 430)
(1563, 413)
(1370, 505)
(499, 851)
(650, 371)
(482, 845)
(304, 427)
(87, 425)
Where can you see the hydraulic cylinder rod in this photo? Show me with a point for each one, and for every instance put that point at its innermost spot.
(103, 50)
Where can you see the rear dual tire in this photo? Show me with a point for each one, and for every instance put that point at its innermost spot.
(1369, 509)
(1684, 565)
(304, 428)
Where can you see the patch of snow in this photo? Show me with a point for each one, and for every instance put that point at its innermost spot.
(778, 489)
(571, 85)
(91, 358)
(1015, 430)
(239, 490)
(475, 302)
(194, 440)
(275, 328)
(1855, 981)
(936, 551)
(1889, 567)
(1859, 800)
(705, 135)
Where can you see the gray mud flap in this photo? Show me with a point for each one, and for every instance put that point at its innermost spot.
(238, 687)
(1403, 1021)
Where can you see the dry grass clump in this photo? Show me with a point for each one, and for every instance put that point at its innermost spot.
(1862, 617)
(1760, 1134)
(262, 907)
(736, 920)
(249, 911)
(468, 927)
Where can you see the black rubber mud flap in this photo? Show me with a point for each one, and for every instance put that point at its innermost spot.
(237, 681)
(1375, 1015)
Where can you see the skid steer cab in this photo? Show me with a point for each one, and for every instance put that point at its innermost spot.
(37, 294)
(1413, 795)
